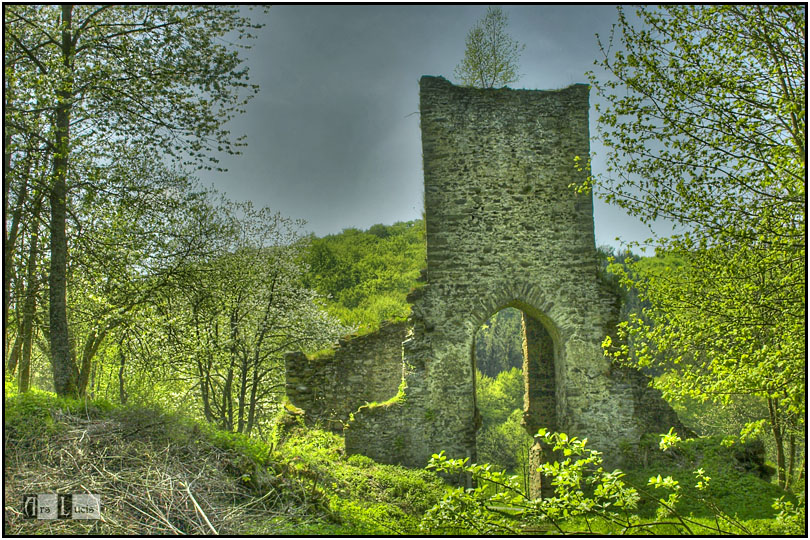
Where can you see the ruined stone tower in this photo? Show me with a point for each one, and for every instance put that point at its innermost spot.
(505, 229)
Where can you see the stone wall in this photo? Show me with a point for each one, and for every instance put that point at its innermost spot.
(504, 229)
(362, 369)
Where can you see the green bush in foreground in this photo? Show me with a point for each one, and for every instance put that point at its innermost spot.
(589, 499)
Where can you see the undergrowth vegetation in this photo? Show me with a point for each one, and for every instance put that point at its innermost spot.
(164, 473)
(161, 473)
(711, 499)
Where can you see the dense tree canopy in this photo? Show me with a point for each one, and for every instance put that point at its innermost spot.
(499, 343)
(367, 274)
(704, 119)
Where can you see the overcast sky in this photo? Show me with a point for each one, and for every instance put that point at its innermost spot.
(332, 135)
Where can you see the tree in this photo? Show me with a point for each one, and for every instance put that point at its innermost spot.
(491, 55)
(366, 276)
(151, 76)
(499, 343)
(703, 115)
(231, 318)
(502, 440)
(140, 226)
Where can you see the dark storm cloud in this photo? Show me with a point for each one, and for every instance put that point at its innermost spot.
(333, 136)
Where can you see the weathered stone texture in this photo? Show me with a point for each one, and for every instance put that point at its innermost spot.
(504, 229)
(363, 369)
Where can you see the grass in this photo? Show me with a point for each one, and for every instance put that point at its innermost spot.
(160, 473)
(362, 496)
(731, 488)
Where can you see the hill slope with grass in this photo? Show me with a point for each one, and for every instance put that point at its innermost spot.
(158, 473)
(161, 473)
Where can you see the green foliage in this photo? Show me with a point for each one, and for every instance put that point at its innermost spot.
(363, 497)
(792, 518)
(588, 499)
(29, 412)
(295, 481)
(32, 412)
(398, 398)
(502, 440)
(499, 343)
(491, 55)
(498, 397)
(505, 444)
(733, 484)
(85, 86)
(366, 276)
(704, 115)
(317, 489)
(257, 451)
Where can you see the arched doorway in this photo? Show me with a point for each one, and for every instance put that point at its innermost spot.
(515, 367)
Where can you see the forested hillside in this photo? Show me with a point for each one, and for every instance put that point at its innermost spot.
(366, 275)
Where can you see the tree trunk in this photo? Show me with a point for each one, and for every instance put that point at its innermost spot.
(205, 382)
(227, 398)
(243, 374)
(7, 95)
(122, 360)
(253, 391)
(227, 392)
(65, 373)
(92, 392)
(91, 346)
(9, 245)
(14, 354)
(791, 460)
(776, 429)
(29, 310)
(16, 350)
(204, 370)
(259, 342)
(24, 376)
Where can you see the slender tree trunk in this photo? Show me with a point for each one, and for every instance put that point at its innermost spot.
(776, 429)
(91, 345)
(253, 391)
(243, 373)
(259, 343)
(7, 95)
(9, 247)
(227, 397)
(791, 460)
(29, 310)
(209, 415)
(227, 393)
(122, 361)
(14, 354)
(204, 384)
(204, 370)
(24, 377)
(65, 373)
(92, 392)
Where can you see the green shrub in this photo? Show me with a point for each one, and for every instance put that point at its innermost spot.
(589, 499)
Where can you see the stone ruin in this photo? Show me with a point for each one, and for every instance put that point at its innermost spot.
(504, 229)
